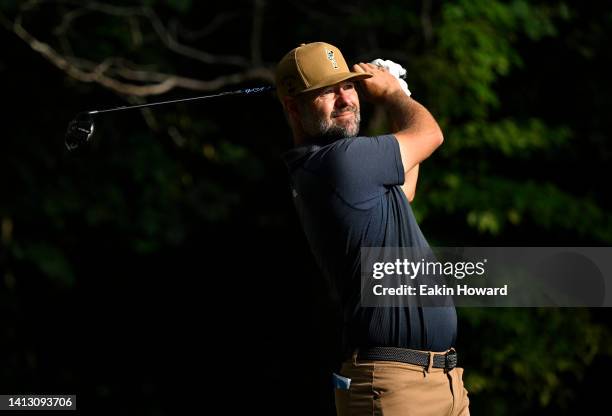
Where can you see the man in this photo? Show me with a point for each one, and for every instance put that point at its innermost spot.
(352, 192)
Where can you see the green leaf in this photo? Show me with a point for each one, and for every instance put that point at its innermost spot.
(49, 260)
(181, 6)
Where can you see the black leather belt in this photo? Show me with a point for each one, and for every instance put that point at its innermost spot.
(447, 361)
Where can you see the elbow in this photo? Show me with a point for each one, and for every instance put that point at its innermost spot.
(440, 138)
(436, 138)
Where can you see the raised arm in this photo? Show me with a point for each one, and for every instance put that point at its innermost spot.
(417, 132)
(410, 181)
(410, 178)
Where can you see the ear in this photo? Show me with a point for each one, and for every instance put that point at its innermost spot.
(291, 107)
(293, 113)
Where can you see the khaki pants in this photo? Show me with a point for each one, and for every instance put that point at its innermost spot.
(385, 388)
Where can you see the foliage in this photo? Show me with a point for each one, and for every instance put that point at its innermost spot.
(520, 88)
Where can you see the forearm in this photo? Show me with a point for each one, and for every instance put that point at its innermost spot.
(410, 177)
(410, 117)
(418, 133)
(415, 128)
(410, 181)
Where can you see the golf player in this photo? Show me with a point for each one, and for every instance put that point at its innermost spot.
(353, 191)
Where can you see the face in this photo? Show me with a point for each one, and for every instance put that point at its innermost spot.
(330, 113)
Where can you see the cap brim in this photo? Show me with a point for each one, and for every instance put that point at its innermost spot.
(353, 76)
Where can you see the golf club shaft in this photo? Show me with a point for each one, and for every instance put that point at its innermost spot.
(246, 91)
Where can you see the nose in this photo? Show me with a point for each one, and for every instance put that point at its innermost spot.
(344, 98)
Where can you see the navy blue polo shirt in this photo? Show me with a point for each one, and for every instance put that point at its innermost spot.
(347, 195)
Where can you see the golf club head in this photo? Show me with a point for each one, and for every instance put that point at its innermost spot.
(79, 130)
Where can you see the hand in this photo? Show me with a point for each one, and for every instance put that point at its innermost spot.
(396, 70)
(379, 87)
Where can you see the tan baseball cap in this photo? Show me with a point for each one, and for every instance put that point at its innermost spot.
(311, 66)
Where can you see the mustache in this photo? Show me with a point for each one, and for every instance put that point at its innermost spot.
(348, 108)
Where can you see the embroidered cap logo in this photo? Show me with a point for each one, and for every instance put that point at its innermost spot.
(330, 56)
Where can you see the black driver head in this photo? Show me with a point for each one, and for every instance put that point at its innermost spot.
(79, 130)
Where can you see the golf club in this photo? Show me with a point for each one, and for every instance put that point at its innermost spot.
(81, 128)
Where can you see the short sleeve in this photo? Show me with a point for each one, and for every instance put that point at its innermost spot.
(360, 168)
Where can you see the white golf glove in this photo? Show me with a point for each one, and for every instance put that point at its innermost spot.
(394, 69)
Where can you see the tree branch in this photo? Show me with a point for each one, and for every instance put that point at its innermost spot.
(171, 43)
(426, 21)
(258, 7)
(166, 36)
(218, 21)
(164, 82)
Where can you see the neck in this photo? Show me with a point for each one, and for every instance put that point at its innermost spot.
(299, 138)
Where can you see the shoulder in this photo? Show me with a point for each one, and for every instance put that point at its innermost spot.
(365, 146)
(361, 154)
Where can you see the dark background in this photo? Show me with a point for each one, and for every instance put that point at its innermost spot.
(163, 266)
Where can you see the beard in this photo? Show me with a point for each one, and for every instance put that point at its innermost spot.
(321, 129)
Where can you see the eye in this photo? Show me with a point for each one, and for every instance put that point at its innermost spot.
(327, 91)
(348, 86)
